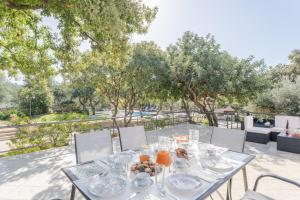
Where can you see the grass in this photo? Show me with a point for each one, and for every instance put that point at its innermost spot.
(59, 117)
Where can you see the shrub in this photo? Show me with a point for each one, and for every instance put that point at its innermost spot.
(35, 100)
(5, 115)
(35, 138)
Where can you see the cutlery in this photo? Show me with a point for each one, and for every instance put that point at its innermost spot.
(133, 195)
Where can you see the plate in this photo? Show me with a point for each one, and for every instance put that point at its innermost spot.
(218, 165)
(181, 163)
(106, 186)
(184, 182)
(142, 185)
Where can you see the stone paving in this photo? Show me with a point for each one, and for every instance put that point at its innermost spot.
(38, 175)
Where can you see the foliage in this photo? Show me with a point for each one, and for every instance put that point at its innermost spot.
(26, 44)
(31, 138)
(143, 77)
(87, 96)
(5, 115)
(283, 98)
(287, 71)
(56, 117)
(8, 92)
(35, 99)
(205, 74)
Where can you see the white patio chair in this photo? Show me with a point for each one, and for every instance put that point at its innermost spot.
(233, 139)
(93, 145)
(132, 137)
(253, 195)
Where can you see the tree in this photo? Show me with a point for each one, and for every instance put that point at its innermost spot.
(87, 96)
(106, 24)
(141, 76)
(204, 73)
(35, 99)
(287, 71)
(283, 98)
(24, 44)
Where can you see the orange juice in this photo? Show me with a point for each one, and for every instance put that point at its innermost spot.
(144, 158)
(163, 158)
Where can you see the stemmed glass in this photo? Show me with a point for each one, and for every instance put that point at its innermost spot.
(163, 156)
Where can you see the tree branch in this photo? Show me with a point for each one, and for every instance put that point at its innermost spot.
(24, 6)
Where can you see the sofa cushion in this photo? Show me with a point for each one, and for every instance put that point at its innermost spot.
(277, 129)
(259, 130)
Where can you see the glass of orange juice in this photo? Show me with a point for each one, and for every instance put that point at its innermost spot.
(163, 158)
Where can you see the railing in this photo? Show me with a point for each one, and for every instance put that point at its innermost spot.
(37, 136)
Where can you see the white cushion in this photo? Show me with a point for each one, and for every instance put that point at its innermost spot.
(251, 195)
(281, 120)
(248, 122)
(259, 130)
(277, 129)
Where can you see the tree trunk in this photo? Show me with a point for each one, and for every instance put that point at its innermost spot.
(93, 110)
(187, 111)
(85, 110)
(159, 108)
(212, 118)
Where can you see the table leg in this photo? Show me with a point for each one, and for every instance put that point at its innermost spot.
(73, 192)
(229, 185)
(245, 179)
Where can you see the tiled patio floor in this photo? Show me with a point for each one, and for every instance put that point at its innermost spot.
(38, 175)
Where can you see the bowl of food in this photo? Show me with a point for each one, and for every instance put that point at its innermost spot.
(181, 153)
(145, 166)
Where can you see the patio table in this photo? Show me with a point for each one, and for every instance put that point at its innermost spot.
(210, 181)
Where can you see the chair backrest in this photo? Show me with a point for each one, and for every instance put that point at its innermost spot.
(93, 145)
(233, 139)
(133, 137)
(248, 122)
(281, 120)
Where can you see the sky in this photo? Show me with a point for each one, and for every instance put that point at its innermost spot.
(267, 29)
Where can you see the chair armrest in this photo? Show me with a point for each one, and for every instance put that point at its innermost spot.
(275, 177)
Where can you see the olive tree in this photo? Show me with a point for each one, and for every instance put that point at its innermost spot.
(204, 73)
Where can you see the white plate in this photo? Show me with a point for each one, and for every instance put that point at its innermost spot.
(184, 182)
(106, 186)
(181, 163)
(218, 165)
(142, 185)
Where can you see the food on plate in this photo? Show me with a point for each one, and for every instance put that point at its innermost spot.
(181, 153)
(145, 166)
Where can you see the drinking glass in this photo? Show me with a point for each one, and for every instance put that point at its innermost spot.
(193, 137)
(163, 156)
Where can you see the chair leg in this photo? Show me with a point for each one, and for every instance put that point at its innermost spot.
(229, 185)
(245, 179)
(73, 192)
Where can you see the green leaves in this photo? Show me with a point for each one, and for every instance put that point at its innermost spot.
(28, 47)
(205, 74)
